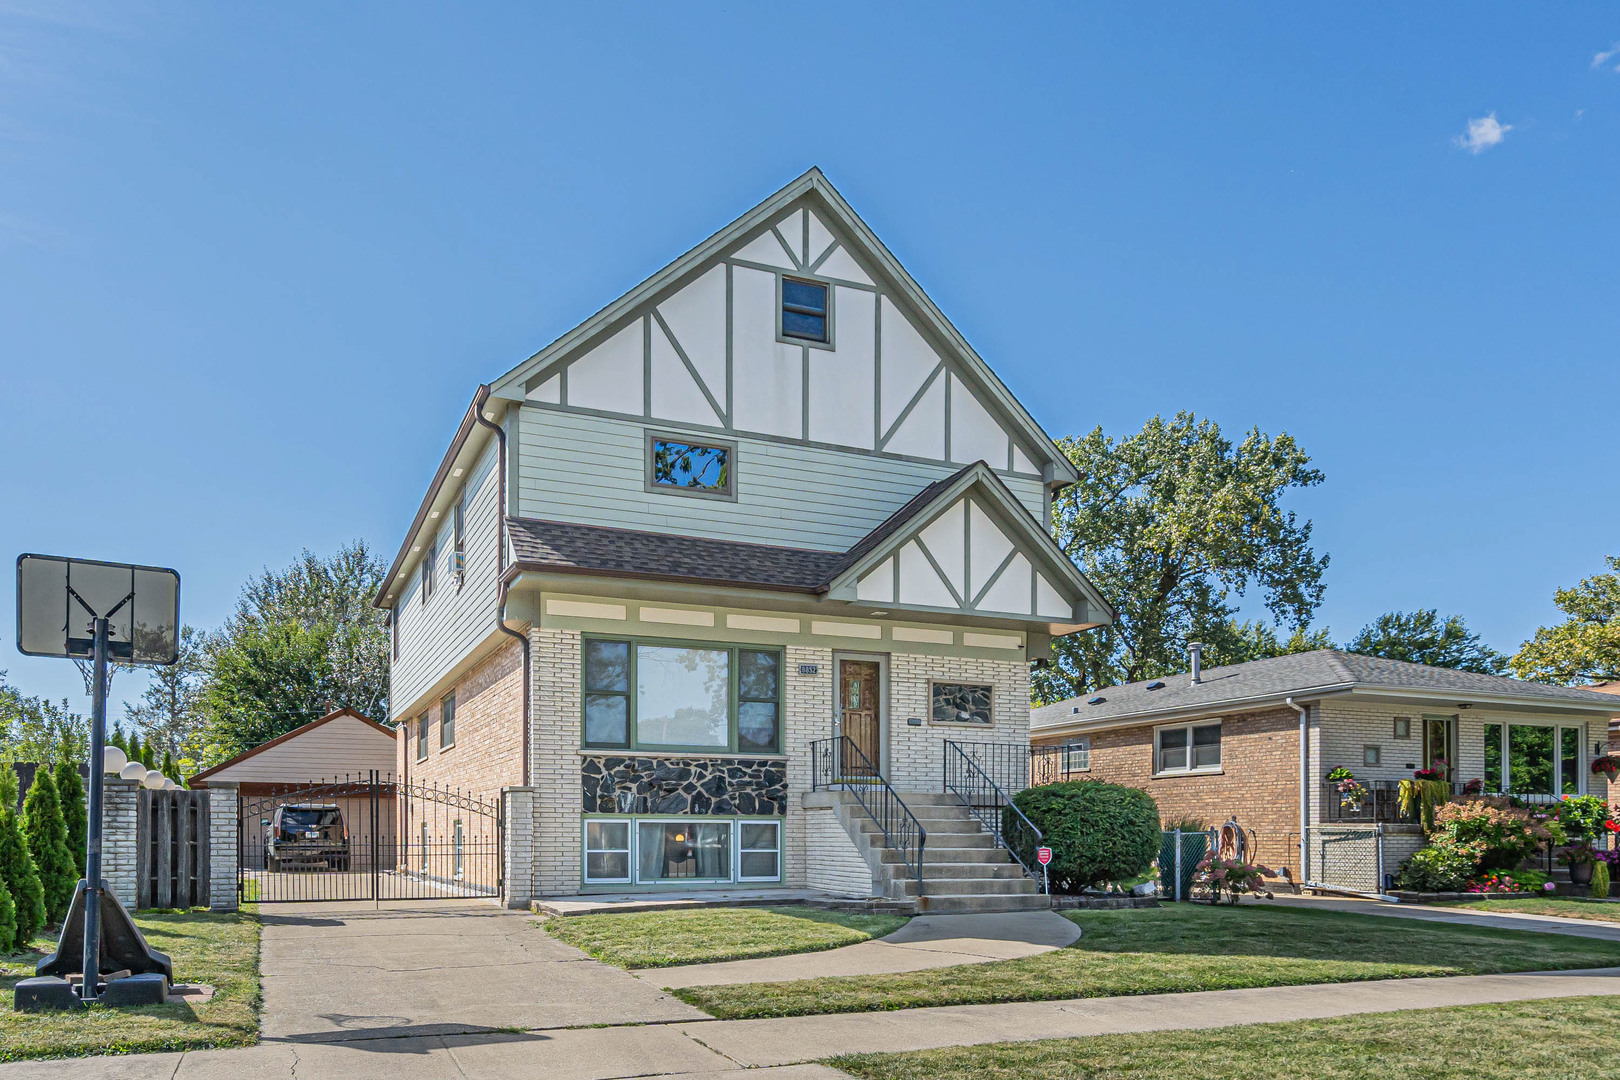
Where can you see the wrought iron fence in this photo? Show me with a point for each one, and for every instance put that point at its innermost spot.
(1378, 802)
(988, 801)
(839, 764)
(367, 837)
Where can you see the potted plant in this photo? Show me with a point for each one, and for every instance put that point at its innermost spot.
(1580, 858)
(1352, 793)
(1606, 766)
(1436, 770)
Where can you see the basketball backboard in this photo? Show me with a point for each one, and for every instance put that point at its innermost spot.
(58, 599)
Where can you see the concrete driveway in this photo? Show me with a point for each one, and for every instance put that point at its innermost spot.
(345, 972)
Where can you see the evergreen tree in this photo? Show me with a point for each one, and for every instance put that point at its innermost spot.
(8, 922)
(20, 877)
(117, 739)
(46, 834)
(133, 749)
(75, 815)
(168, 767)
(148, 755)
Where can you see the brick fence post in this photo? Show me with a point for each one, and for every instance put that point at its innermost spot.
(517, 854)
(118, 838)
(222, 839)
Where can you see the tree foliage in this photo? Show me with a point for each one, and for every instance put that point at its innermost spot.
(169, 713)
(1238, 643)
(1585, 647)
(8, 922)
(75, 815)
(46, 834)
(19, 875)
(1172, 524)
(34, 729)
(1423, 637)
(302, 641)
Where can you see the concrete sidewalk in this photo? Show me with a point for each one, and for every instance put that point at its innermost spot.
(719, 1049)
(927, 941)
(1544, 924)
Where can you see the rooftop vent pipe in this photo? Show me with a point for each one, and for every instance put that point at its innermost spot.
(1195, 651)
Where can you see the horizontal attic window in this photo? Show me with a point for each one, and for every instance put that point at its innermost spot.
(804, 310)
(689, 467)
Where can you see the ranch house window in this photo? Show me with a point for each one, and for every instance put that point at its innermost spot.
(804, 310)
(422, 723)
(1077, 755)
(684, 466)
(1187, 748)
(655, 696)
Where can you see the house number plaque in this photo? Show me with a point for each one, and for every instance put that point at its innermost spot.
(809, 669)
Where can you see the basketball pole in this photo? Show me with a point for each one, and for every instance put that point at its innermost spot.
(92, 856)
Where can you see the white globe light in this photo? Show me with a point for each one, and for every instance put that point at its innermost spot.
(113, 759)
(134, 770)
(154, 780)
(169, 784)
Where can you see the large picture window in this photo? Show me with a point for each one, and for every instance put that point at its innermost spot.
(662, 696)
(696, 850)
(1192, 748)
(1534, 760)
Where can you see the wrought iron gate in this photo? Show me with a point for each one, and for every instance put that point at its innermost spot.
(367, 837)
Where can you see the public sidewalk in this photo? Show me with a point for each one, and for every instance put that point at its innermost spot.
(927, 941)
(773, 1049)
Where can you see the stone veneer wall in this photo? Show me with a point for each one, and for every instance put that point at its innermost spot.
(620, 784)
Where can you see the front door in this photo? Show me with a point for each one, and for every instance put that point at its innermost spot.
(858, 711)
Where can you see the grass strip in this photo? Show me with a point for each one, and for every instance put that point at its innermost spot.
(651, 939)
(1567, 1037)
(221, 950)
(1179, 948)
(1562, 907)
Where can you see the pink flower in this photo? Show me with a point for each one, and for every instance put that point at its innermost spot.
(1549, 887)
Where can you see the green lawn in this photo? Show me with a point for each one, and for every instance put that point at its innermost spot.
(220, 950)
(1176, 948)
(648, 939)
(1569, 1037)
(1564, 907)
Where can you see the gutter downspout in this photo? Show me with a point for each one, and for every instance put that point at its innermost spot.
(1304, 789)
(500, 562)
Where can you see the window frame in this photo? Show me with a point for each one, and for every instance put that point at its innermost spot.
(430, 555)
(458, 534)
(1508, 785)
(785, 338)
(654, 437)
(733, 695)
(1189, 769)
(424, 723)
(450, 726)
(1080, 744)
(632, 852)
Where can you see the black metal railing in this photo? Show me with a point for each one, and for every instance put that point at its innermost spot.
(989, 802)
(1379, 801)
(838, 764)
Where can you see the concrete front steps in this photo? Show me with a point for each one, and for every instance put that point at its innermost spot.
(964, 871)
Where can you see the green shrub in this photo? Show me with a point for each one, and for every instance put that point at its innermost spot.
(1600, 879)
(46, 833)
(1444, 866)
(1507, 834)
(1097, 831)
(20, 877)
(1582, 816)
(70, 791)
(8, 922)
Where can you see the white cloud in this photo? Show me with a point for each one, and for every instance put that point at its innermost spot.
(1606, 55)
(1483, 133)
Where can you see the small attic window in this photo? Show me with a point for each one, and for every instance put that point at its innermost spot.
(804, 310)
(687, 466)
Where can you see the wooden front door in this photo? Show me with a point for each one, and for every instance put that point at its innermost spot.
(861, 722)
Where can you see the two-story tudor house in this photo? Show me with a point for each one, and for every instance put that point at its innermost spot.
(767, 497)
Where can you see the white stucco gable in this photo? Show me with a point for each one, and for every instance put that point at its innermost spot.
(701, 346)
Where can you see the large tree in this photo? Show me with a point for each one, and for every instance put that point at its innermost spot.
(1173, 524)
(1423, 637)
(1240, 642)
(1585, 647)
(169, 715)
(35, 729)
(302, 641)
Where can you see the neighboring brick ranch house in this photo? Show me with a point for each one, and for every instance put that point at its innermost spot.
(1256, 741)
(768, 499)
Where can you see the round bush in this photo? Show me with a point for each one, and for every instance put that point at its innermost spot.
(1097, 831)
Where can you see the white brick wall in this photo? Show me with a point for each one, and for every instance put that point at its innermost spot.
(916, 754)
(517, 810)
(554, 766)
(222, 839)
(833, 864)
(118, 839)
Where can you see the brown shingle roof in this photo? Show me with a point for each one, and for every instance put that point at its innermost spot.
(600, 549)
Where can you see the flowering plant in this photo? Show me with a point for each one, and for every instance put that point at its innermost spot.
(1583, 815)
(1518, 881)
(1506, 834)
(1581, 854)
(1474, 787)
(1231, 877)
(1549, 887)
(1435, 771)
(1606, 766)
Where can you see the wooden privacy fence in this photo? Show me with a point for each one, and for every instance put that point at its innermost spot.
(171, 849)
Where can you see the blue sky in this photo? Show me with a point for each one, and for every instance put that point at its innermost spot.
(254, 260)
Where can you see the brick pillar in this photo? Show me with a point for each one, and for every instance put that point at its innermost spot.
(223, 818)
(118, 838)
(517, 854)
